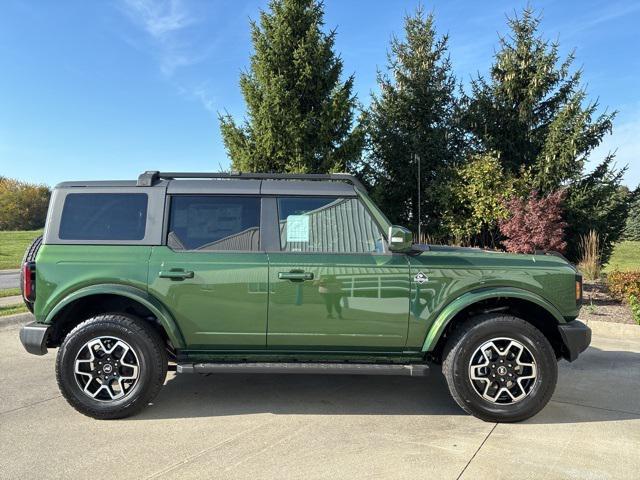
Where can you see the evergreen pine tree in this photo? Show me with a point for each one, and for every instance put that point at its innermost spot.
(632, 228)
(533, 111)
(412, 120)
(597, 201)
(299, 111)
(534, 114)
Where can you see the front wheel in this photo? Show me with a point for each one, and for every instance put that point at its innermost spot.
(111, 366)
(500, 368)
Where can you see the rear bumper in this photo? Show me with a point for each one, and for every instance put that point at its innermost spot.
(34, 337)
(576, 337)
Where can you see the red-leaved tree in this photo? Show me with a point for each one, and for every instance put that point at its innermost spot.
(534, 223)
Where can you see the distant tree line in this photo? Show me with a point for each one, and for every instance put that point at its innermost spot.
(510, 147)
(23, 206)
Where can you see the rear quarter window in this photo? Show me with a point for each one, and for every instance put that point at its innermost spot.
(104, 216)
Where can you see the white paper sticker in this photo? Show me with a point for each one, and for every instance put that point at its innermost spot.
(297, 228)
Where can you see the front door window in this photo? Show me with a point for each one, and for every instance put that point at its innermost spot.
(327, 225)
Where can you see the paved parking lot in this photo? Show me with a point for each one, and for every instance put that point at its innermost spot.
(244, 426)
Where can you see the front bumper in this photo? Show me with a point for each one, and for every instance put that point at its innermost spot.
(34, 337)
(576, 337)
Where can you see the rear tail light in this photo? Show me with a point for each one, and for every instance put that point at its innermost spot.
(28, 281)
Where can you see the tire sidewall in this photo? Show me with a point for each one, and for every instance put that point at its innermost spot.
(543, 355)
(107, 327)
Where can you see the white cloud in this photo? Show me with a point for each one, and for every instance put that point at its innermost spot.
(159, 18)
(167, 35)
(591, 19)
(165, 24)
(201, 93)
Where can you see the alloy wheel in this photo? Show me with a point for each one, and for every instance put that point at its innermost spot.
(503, 371)
(106, 368)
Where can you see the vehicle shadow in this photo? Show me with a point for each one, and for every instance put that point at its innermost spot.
(583, 393)
(194, 395)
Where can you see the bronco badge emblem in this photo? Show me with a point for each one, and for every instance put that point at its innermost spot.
(420, 278)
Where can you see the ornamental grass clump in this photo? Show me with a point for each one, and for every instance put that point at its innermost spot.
(590, 264)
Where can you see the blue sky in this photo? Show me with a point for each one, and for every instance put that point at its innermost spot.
(108, 89)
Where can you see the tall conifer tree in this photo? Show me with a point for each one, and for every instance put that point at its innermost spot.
(299, 111)
(534, 115)
(533, 111)
(412, 120)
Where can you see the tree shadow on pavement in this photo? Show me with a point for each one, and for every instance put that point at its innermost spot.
(585, 393)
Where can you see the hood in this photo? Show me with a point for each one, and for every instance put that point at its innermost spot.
(491, 256)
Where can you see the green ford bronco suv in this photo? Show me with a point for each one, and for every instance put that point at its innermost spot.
(259, 273)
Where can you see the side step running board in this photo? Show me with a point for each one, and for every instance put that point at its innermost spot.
(412, 370)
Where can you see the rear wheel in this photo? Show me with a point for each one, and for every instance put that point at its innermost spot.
(111, 366)
(500, 368)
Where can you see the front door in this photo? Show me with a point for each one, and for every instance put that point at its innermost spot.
(211, 273)
(333, 285)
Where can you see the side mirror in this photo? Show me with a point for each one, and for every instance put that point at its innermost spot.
(400, 239)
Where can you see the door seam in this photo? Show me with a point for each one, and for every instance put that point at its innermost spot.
(266, 331)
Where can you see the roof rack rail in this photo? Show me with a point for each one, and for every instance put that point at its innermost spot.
(149, 178)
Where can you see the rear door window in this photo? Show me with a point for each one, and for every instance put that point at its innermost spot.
(214, 223)
(104, 216)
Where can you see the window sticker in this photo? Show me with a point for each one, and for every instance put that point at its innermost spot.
(298, 228)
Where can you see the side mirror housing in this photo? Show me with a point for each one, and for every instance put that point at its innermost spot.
(400, 239)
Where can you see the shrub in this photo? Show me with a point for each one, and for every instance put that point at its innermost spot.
(623, 285)
(634, 304)
(23, 206)
(476, 201)
(589, 263)
(534, 223)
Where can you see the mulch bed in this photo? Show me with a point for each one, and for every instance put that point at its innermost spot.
(599, 306)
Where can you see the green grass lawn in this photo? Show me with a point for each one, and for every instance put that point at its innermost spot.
(12, 247)
(12, 310)
(626, 256)
(9, 292)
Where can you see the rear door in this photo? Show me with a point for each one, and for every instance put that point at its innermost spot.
(211, 273)
(333, 284)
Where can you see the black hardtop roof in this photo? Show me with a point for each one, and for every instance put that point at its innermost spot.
(236, 183)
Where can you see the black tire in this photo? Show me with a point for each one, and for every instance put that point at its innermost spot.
(151, 356)
(29, 256)
(464, 342)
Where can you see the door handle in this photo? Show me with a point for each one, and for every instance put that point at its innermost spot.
(295, 276)
(175, 274)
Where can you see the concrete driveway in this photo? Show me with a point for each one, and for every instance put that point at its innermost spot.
(242, 426)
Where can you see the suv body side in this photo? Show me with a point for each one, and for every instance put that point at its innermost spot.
(283, 273)
(244, 302)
